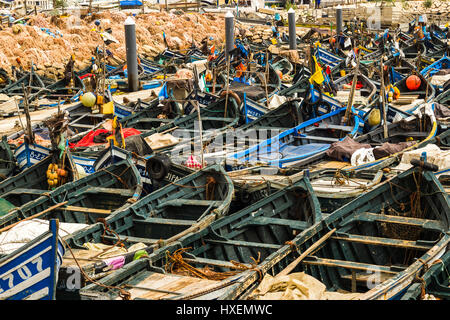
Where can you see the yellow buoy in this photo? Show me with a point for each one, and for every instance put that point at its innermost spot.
(88, 99)
(374, 117)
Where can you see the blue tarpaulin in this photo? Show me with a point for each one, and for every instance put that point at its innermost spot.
(130, 3)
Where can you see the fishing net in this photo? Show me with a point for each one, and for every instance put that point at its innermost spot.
(176, 264)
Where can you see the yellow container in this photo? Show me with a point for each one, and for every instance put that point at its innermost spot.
(99, 100)
(342, 73)
(107, 108)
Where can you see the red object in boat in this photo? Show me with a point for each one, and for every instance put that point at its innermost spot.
(413, 82)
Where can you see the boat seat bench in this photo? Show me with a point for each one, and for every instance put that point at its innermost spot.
(26, 191)
(374, 217)
(313, 260)
(316, 138)
(213, 262)
(244, 244)
(165, 221)
(145, 241)
(262, 221)
(382, 241)
(191, 202)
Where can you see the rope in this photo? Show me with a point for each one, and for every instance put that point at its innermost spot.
(125, 295)
(177, 265)
(119, 242)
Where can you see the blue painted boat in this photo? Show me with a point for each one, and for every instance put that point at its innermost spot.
(429, 71)
(30, 154)
(328, 58)
(297, 143)
(31, 272)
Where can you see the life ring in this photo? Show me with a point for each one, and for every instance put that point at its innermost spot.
(233, 94)
(158, 166)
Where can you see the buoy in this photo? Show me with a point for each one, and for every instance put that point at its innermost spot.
(374, 117)
(413, 82)
(88, 99)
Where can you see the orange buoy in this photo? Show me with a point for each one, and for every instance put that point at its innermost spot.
(413, 82)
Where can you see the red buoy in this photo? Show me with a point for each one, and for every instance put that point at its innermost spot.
(413, 82)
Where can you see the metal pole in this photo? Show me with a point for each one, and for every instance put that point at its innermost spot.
(338, 20)
(292, 33)
(130, 42)
(229, 32)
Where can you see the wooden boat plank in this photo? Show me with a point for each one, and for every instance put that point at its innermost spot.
(317, 138)
(168, 282)
(27, 191)
(85, 210)
(373, 217)
(154, 220)
(256, 221)
(244, 244)
(145, 241)
(330, 126)
(364, 277)
(382, 241)
(313, 260)
(213, 262)
(190, 202)
(122, 192)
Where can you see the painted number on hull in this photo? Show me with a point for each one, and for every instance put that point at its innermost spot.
(22, 273)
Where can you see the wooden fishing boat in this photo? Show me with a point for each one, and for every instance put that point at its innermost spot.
(156, 170)
(434, 281)
(301, 142)
(412, 128)
(252, 109)
(216, 147)
(241, 241)
(399, 69)
(332, 187)
(409, 100)
(31, 271)
(7, 160)
(33, 181)
(373, 247)
(81, 201)
(433, 73)
(363, 93)
(28, 155)
(159, 219)
(147, 118)
(215, 118)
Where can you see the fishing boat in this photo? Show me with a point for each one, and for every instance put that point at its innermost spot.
(365, 89)
(33, 182)
(252, 109)
(215, 148)
(215, 118)
(82, 201)
(28, 155)
(409, 100)
(229, 248)
(158, 219)
(332, 187)
(156, 170)
(437, 73)
(371, 248)
(418, 130)
(301, 142)
(31, 271)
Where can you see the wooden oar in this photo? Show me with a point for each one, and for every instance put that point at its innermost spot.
(35, 215)
(308, 251)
